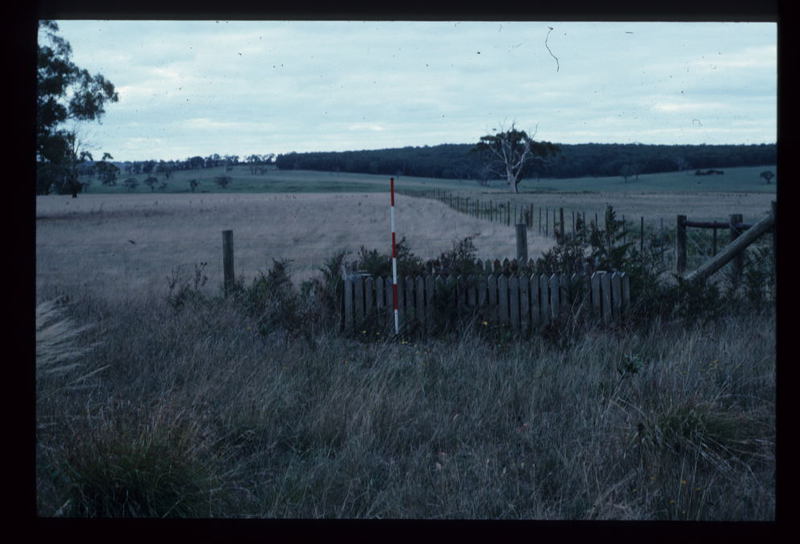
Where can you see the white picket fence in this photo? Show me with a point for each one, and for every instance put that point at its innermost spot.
(525, 302)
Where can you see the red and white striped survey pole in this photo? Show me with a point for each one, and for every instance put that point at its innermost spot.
(394, 261)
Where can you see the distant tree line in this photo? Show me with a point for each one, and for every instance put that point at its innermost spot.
(100, 169)
(461, 161)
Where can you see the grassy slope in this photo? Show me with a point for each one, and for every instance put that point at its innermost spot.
(193, 414)
(743, 179)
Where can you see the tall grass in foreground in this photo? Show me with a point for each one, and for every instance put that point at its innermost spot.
(198, 413)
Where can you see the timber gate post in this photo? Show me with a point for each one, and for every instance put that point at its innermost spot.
(680, 245)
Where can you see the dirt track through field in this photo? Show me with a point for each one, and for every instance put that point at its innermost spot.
(128, 244)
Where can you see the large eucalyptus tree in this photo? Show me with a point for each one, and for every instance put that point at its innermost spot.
(512, 153)
(64, 92)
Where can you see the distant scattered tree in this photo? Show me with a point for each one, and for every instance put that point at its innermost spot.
(195, 162)
(162, 186)
(626, 171)
(131, 183)
(230, 162)
(193, 184)
(223, 181)
(630, 169)
(767, 175)
(147, 167)
(512, 153)
(107, 172)
(151, 182)
(253, 160)
(681, 163)
(213, 160)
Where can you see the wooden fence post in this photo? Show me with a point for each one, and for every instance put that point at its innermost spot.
(348, 304)
(738, 261)
(227, 261)
(522, 242)
(641, 237)
(547, 222)
(680, 245)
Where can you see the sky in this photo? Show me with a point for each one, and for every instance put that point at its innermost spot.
(191, 88)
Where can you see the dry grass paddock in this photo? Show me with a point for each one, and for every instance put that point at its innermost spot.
(122, 244)
(656, 208)
(145, 409)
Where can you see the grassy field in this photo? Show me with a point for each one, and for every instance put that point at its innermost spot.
(131, 243)
(737, 180)
(246, 407)
(279, 181)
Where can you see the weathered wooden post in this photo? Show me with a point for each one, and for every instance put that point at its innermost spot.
(641, 237)
(714, 241)
(522, 242)
(680, 245)
(547, 222)
(561, 230)
(227, 261)
(738, 261)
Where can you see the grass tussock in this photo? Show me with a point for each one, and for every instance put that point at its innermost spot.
(208, 409)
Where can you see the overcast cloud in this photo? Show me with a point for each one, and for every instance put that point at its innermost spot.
(202, 87)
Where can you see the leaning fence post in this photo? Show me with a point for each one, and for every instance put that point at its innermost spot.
(680, 245)
(227, 261)
(522, 242)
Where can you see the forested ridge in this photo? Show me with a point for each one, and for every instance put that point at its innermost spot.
(460, 161)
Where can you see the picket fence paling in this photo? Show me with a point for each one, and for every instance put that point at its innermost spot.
(526, 302)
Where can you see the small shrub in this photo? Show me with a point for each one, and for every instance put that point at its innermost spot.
(185, 289)
(461, 260)
(276, 305)
(131, 184)
(328, 291)
(380, 265)
(223, 181)
(151, 182)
